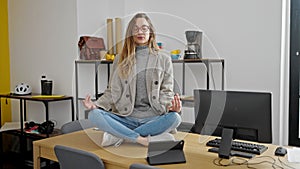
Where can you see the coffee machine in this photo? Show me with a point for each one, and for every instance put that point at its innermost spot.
(194, 45)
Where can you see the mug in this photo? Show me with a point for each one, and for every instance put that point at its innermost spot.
(47, 87)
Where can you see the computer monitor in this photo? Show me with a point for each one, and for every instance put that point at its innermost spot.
(247, 113)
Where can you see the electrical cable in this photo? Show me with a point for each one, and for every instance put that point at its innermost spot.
(265, 161)
(218, 162)
(283, 163)
(251, 165)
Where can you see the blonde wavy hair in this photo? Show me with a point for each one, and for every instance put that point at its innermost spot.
(127, 57)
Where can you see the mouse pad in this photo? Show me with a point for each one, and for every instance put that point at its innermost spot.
(166, 152)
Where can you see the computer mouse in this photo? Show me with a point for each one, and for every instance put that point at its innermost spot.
(280, 151)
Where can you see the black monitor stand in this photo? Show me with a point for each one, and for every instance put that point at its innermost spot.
(225, 145)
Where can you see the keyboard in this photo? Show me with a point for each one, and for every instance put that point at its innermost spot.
(233, 153)
(240, 146)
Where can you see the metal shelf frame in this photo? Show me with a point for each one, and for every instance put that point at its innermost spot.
(96, 64)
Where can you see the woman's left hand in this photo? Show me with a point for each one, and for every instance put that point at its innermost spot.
(176, 104)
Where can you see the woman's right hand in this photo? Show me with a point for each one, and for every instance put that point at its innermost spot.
(87, 103)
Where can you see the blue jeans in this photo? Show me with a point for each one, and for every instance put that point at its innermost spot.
(130, 128)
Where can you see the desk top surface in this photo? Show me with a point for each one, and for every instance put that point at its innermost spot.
(195, 150)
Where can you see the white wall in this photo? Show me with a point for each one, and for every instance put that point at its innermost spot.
(43, 39)
(247, 34)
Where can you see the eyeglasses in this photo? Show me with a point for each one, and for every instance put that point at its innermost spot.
(144, 28)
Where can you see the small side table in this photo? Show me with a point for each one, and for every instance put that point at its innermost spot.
(33, 97)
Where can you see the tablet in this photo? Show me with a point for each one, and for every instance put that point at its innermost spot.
(166, 152)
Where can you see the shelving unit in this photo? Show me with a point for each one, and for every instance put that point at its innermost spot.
(96, 64)
(23, 99)
(187, 100)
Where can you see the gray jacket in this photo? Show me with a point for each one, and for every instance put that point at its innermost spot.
(119, 97)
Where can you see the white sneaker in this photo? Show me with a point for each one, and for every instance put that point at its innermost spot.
(162, 137)
(174, 131)
(108, 140)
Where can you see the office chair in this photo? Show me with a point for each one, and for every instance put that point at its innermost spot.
(141, 166)
(76, 126)
(70, 158)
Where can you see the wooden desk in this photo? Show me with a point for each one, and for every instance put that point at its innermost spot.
(128, 153)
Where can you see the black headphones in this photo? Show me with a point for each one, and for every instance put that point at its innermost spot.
(46, 128)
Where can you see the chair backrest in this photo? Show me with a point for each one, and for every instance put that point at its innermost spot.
(76, 126)
(142, 166)
(70, 158)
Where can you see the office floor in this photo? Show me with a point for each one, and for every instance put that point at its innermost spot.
(13, 161)
(12, 158)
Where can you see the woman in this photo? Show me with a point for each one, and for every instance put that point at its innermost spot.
(139, 101)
